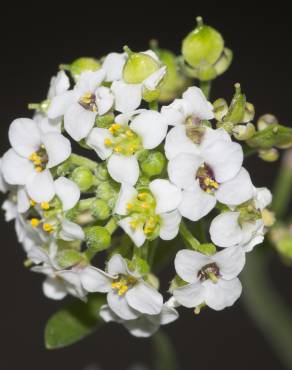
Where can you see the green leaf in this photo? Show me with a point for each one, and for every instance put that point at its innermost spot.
(273, 136)
(73, 322)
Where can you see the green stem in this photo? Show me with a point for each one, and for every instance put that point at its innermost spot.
(78, 160)
(188, 238)
(266, 306)
(206, 88)
(164, 353)
(153, 105)
(283, 186)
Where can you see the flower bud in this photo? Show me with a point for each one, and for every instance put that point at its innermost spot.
(83, 177)
(284, 247)
(204, 45)
(154, 164)
(236, 110)
(220, 109)
(151, 95)
(102, 172)
(81, 65)
(244, 132)
(138, 67)
(68, 258)
(266, 120)
(249, 112)
(107, 191)
(100, 209)
(97, 238)
(269, 155)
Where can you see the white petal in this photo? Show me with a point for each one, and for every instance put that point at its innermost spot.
(225, 159)
(142, 327)
(127, 96)
(145, 299)
(237, 190)
(188, 264)
(169, 225)
(177, 142)
(23, 203)
(24, 136)
(168, 315)
(41, 187)
(253, 234)
(124, 169)
(50, 125)
(120, 306)
(183, 168)
(16, 170)
(262, 198)
(190, 295)
(104, 100)
(126, 196)
(223, 294)
(58, 84)
(88, 81)
(96, 140)
(137, 235)
(10, 210)
(124, 118)
(174, 113)
(95, 280)
(72, 283)
(167, 195)
(58, 148)
(71, 231)
(78, 121)
(151, 127)
(117, 266)
(211, 136)
(155, 78)
(200, 107)
(61, 103)
(196, 203)
(68, 192)
(113, 65)
(54, 289)
(225, 230)
(108, 315)
(230, 262)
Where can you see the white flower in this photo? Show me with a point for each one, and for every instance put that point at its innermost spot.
(226, 229)
(127, 294)
(4, 187)
(31, 157)
(128, 97)
(59, 282)
(211, 280)
(81, 105)
(193, 104)
(208, 172)
(149, 214)
(145, 325)
(120, 143)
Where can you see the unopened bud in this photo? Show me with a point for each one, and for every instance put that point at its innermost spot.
(151, 95)
(220, 109)
(81, 65)
(237, 107)
(244, 132)
(269, 155)
(265, 121)
(100, 209)
(268, 217)
(249, 112)
(154, 164)
(97, 238)
(68, 258)
(83, 177)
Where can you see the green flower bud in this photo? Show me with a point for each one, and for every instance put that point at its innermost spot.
(151, 95)
(97, 238)
(220, 109)
(154, 164)
(81, 65)
(284, 247)
(102, 172)
(249, 113)
(100, 209)
(140, 265)
(244, 132)
(68, 258)
(83, 177)
(104, 121)
(265, 121)
(106, 191)
(138, 67)
(202, 46)
(223, 62)
(274, 135)
(269, 155)
(237, 107)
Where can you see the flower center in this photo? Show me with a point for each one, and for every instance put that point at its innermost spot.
(210, 271)
(39, 159)
(123, 283)
(125, 141)
(88, 102)
(194, 129)
(206, 179)
(142, 212)
(35, 222)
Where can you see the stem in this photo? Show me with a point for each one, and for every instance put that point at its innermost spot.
(152, 250)
(266, 307)
(112, 225)
(153, 105)
(78, 160)
(248, 151)
(164, 352)
(206, 88)
(283, 186)
(188, 238)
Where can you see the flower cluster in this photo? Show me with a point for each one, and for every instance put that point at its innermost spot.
(151, 173)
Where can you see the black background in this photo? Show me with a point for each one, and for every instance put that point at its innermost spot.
(33, 42)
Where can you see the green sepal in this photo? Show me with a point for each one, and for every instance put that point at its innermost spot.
(236, 110)
(68, 258)
(73, 322)
(274, 135)
(97, 238)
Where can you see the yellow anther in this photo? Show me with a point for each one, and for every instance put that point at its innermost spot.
(148, 229)
(47, 227)
(133, 224)
(142, 196)
(123, 290)
(117, 149)
(129, 133)
(130, 206)
(209, 191)
(145, 205)
(114, 127)
(116, 285)
(34, 222)
(45, 205)
(38, 169)
(107, 142)
(32, 202)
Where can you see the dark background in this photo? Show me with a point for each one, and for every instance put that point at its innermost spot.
(33, 42)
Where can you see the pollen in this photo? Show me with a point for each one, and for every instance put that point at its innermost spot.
(129, 206)
(129, 133)
(48, 227)
(117, 149)
(38, 169)
(107, 142)
(32, 202)
(34, 222)
(114, 128)
(45, 205)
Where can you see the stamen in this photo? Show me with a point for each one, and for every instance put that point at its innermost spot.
(34, 222)
(48, 227)
(88, 102)
(45, 205)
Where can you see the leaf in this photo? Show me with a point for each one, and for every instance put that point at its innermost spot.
(273, 136)
(73, 322)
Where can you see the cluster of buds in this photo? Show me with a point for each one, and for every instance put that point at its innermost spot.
(151, 173)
